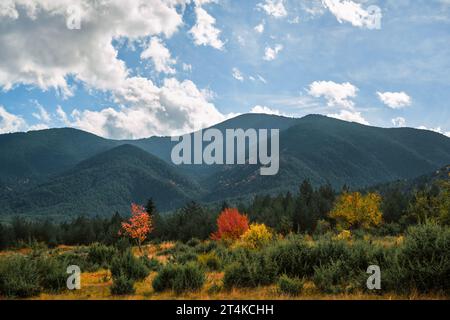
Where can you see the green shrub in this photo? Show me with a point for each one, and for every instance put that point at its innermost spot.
(179, 278)
(184, 257)
(19, 277)
(331, 277)
(101, 255)
(122, 286)
(52, 274)
(290, 286)
(422, 261)
(337, 277)
(128, 266)
(292, 257)
(250, 269)
(209, 261)
(151, 264)
(206, 246)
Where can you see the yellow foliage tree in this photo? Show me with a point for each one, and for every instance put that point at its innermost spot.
(257, 236)
(354, 210)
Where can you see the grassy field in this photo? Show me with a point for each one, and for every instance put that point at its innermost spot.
(96, 285)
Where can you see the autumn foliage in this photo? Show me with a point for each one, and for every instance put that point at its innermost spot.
(231, 225)
(138, 226)
(354, 210)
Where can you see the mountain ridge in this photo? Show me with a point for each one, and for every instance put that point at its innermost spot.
(315, 147)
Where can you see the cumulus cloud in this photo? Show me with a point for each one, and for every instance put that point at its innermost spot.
(147, 110)
(395, 100)
(272, 53)
(336, 94)
(274, 8)
(399, 122)
(160, 55)
(38, 49)
(237, 74)
(9, 122)
(204, 31)
(354, 13)
(349, 115)
(264, 109)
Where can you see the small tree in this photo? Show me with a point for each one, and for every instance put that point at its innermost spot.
(231, 225)
(354, 210)
(138, 226)
(257, 236)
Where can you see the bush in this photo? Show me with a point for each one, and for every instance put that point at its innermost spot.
(18, 277)
(337, 277)
(330, 278)
(151, 264)
(128, 266)
(52, 274)
(257, 236)
(101, 255)
(290, 286)
(27, 276)
(250, 269)
(122, 286)
(422, 262)
(179, 278)
(292, 257)
(209, 261)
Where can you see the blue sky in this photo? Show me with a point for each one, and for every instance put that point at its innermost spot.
(180, 65)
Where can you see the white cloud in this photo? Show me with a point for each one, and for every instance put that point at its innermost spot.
(260, 28)
(264, 109)
(42, 114)
(438, 130)
(354, 13)
(204, 31)
(45, 52)
(274, 8)
(147, 110)
(399, 122)
(336, 94)
(350, 115)
(160, 55)
(62, 115)
(395, 100)
(237, 74)
(271, 53)
(9, 122)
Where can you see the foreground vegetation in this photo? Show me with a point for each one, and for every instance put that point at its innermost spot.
(321, 246)
(294, 267)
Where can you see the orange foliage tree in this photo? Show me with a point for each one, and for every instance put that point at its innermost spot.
(138, 226)
(231, 225)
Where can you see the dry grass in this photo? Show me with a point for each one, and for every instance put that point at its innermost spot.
(96, 286)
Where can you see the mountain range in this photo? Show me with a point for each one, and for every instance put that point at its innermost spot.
(66, 172)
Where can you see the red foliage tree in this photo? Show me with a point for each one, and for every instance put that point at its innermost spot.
(138, 226)
(231, 225)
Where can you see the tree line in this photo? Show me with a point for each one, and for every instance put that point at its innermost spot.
(310, 210)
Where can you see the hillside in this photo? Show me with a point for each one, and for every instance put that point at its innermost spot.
(105, 183)
(327, 150)
(27, 159)
(67, 171)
